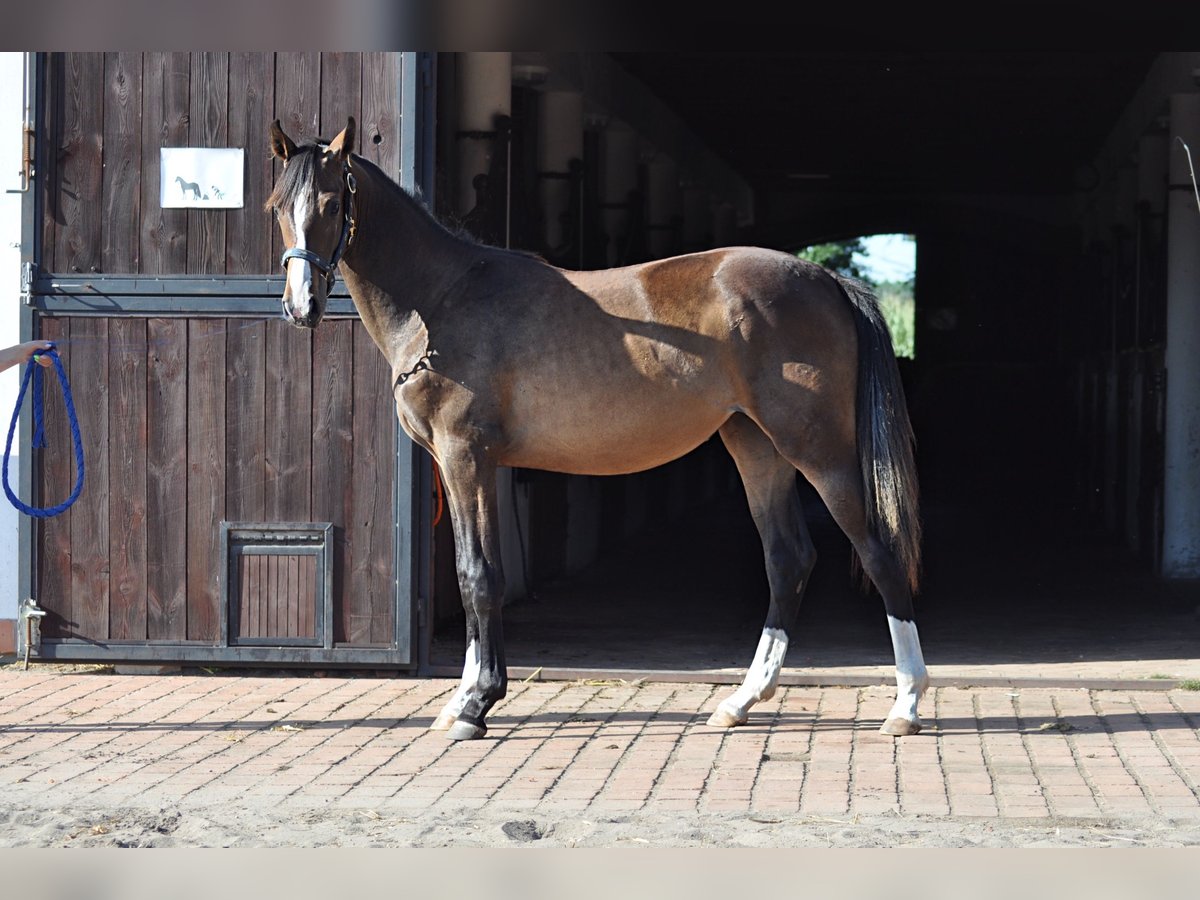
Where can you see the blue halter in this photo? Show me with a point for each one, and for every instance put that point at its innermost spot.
(34, 371)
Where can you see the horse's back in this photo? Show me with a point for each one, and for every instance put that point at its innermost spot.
(718, 293)
(637, 365)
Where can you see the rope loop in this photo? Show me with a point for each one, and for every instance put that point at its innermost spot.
(34, 371)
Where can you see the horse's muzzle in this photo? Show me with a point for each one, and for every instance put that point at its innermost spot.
(307, 320)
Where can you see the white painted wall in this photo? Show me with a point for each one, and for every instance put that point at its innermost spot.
(12, 92)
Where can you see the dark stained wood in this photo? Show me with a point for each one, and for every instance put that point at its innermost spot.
(122, 161)
(308, 597)
(297, 106)
(251, 106)
(291, 624)
(56, 463)
(379, 131)
(166, 479)
(166, 88)
(127, 479)
(46, 150)
(110, 114)
(341, 91)
(333, 442)
(244, 592)
(191, 421)
(368, 595)
(289, 431)
(245, 422)
(205, 475)
(77, 239)
(90, 559)
(208, 127)
(298, 93)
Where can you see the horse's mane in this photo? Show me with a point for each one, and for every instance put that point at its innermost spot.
(301, 173)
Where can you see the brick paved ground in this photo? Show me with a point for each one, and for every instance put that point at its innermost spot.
(298, 745)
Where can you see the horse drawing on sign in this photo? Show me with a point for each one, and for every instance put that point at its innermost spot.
(500, 359)
(188, 187)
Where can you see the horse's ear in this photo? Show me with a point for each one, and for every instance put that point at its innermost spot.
(343, 144)
(281, 144)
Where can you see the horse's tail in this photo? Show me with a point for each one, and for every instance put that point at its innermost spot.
(885, 436)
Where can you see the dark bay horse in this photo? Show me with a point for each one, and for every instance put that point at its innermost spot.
(500, 359)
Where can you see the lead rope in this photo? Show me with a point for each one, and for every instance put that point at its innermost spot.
(34, 370)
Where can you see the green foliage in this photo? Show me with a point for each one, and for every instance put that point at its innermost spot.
(838, 256)
(896, 299)
(898, 306)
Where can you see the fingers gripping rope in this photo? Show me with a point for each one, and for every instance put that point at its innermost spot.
(34, 370)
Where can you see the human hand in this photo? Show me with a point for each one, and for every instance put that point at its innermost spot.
(31, 349)
(21, 354)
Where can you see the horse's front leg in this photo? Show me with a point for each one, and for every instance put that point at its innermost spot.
(470, 480)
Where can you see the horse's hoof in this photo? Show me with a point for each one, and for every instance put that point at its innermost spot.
(443, 722)
(726, 718)
(465, 731)
(900, 727)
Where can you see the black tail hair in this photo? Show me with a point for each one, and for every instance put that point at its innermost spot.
(885, 436)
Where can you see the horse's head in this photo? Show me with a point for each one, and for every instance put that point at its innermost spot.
(313, 202)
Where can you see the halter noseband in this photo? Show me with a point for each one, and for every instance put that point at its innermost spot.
(347, 236)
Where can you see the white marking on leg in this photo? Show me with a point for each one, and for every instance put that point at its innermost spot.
(299, 272)
(760, 682)
(912, 679)
(454, 706)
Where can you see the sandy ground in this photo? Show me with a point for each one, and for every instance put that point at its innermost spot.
(231, 826)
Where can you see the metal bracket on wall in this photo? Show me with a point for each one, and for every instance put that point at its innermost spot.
(30, 616)
(28, 275)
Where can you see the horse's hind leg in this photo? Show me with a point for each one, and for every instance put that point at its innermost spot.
(770, 482)
(841, 489)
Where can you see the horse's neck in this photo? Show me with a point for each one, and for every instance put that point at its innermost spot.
(400, 265)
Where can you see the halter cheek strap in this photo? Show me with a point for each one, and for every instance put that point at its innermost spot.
(344, 241)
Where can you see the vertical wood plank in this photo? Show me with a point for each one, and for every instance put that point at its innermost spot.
(308, 598)
(369, 595)
(293, 597)
(264, 587)
(341, 91)
(333, 446)
(56, 479)
(47, 149)
(273, 589)
(127, 479)
(80, 162)
(251, 101)
(245, 422)
(297, 106)
(90, 562)
(205, 474)
(208, 127)
(166, 479)
(244, 593)
(121, 183)
(166, 87)
(380, 134)
(289, 431)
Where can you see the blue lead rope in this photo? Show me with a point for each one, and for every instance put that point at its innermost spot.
(34, 371)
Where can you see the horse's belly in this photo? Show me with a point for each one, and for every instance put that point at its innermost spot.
(614, 439)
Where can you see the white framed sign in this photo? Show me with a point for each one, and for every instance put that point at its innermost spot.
(201, 177)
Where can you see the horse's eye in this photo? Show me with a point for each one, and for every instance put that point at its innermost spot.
(333, 208)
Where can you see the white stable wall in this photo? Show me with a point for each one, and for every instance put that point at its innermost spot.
(12, 92)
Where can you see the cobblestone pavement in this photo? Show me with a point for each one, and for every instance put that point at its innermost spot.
(285, 746)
